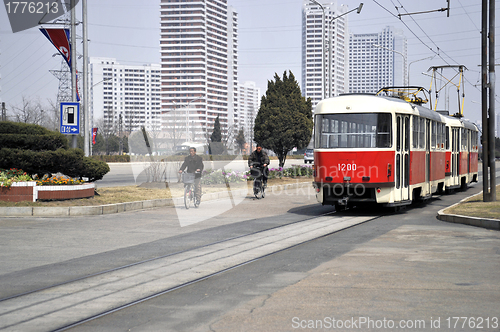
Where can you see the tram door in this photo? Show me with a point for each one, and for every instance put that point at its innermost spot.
(427, 157)
(455, 156)
(402, 158)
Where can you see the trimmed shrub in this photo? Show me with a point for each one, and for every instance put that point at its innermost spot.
(7, 127)
(52, 141)
(39, 151)
(70, 162)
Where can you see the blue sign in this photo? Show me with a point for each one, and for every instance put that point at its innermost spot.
(70, 118)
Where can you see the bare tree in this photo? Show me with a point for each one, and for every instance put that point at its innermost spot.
(107, 130)
(30, 111)
(52, 115)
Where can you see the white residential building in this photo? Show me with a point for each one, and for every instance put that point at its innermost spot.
(124, 97)
(316, 33)
(199, 69)
(377, 60)
(249, 104)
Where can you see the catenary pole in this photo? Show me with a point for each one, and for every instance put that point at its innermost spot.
(73, 63)
(86, 108)
(491, 120)
(484, 97)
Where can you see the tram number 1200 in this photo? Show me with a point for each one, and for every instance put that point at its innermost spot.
(346, 167)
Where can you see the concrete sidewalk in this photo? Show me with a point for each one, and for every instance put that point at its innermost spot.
(413, 278)
(468, 220)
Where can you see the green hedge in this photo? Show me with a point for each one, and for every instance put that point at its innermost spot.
(7, 127)
(39, 151)
(51, 141)
(70, 162)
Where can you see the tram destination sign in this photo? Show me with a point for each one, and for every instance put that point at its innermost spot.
(70, 118)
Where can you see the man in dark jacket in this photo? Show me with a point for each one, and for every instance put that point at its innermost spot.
(259, 158)
(194, 164)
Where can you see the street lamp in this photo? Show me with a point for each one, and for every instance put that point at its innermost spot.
(358, 10)
(404, 58)
(429, 57)
(322, 48)
(187, 115)
(90, 116)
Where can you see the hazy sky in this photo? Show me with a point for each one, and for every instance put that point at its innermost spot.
(269, 42)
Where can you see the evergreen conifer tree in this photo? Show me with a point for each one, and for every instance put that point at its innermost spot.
(284, 120)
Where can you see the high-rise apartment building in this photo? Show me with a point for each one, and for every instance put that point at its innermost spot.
(124, 97)
(324, 61)
(249, 104)
(377, 60)
(199, 67)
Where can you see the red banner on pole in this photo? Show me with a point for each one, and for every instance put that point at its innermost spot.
(94, 134)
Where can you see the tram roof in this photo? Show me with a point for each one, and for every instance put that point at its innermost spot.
(363, 103)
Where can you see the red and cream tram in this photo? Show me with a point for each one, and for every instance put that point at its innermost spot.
(385, 150)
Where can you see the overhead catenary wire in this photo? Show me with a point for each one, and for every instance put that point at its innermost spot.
(439, 51)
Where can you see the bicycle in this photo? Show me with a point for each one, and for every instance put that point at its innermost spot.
(258, 188)
(189, 190)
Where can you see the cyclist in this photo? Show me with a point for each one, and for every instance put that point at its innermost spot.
(194, 164)
(259, 158)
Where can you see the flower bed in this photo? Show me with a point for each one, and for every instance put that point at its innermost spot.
(220, 177)
(30, 191)
(17, 186)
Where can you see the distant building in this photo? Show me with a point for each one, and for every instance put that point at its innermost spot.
(199, 69)
(372, 67)
(124, 97)
(313, 32)
(249, 104)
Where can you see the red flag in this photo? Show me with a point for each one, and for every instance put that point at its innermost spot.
(94, 134)
(60, 39)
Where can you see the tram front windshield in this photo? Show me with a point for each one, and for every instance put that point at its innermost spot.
(353, 130)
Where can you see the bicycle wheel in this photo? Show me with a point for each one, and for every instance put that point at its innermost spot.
(187, 196)
(257, 189)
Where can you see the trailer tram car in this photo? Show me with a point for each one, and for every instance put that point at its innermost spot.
(386, 150)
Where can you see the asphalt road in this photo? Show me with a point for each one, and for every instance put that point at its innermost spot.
(129, 174)
(407, 265)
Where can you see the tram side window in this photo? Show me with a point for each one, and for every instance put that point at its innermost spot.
(415, 133)
(433, 134)
(440, 135)
(421, 139)
(447, 129)
(358, 130)
(407, 139)
(474, 140)
(464, 139)
(418, 132)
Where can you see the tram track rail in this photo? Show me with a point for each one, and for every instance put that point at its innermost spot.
(74, 302)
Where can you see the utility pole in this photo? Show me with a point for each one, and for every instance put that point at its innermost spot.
(4, 112)
(73, 63)
(491, 122)
(488, 113)
(86, 108)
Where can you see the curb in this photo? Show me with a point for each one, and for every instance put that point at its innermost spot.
(78, 211)
(472, 221)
